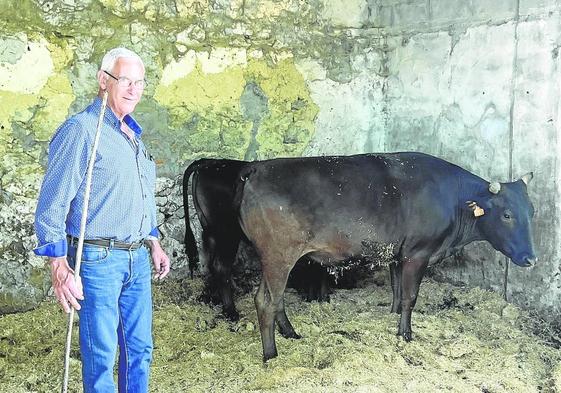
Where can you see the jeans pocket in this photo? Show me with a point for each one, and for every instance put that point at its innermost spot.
(94, 254)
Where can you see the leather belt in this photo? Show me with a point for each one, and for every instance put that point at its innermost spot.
(109, 243)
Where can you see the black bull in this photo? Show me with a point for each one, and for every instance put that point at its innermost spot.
(417, 207)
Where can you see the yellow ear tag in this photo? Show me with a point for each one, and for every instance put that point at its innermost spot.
(478, 212)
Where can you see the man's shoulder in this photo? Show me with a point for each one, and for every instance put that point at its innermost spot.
(86, 116)
(77, 124)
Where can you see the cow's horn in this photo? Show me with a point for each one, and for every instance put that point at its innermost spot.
(494, 187)
(527, 178)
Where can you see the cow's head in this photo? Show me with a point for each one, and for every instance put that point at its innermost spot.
(504, 219)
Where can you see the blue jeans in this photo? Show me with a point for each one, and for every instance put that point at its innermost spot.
(116, 310)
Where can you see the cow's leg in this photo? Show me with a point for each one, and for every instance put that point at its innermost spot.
(266, 317)
(268, 302)
(208, 254)
(312, 292)
(317, 281)
(222, 266)
(324, 285)
(395, 279)
(285, 327)
(218, 254)
(224, 281)
(313, 280)
(412, 272)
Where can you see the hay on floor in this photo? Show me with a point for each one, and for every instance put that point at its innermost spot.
(465, 340)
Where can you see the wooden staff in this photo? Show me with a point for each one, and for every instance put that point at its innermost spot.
(81, 238)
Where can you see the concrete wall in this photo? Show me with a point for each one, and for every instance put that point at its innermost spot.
(479, 86)
(474, 82)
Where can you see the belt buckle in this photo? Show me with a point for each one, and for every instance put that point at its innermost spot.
(111, 243)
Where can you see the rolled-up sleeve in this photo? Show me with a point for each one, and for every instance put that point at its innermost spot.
(66, 170)
(154, 234)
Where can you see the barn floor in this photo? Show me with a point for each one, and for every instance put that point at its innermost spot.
(464, 341)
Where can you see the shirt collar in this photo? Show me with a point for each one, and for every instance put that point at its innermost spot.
(110, 117)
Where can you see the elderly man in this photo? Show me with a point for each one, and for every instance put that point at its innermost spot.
(113, 294)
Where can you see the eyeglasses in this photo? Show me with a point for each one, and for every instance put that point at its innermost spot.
(123, 81)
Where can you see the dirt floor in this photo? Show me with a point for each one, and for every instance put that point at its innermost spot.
(465, 340)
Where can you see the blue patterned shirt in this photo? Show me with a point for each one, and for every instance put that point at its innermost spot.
(122, 203)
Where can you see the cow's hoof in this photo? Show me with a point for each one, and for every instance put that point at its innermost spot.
(407, 336)
(324, 299)
(204, 298)
(290, 334)
(267, 357)
(311, 298)
(231, 315)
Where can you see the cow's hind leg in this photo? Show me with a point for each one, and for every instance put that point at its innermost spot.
(266, 318)
(324, 285)
(412, 272)
(318, 282)
(395, 278)
(285, 327)
(222, 265)
(269, 305)
(219, 253)
(208, 254)
(225, 282)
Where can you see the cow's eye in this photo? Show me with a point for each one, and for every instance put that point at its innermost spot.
(506, 215)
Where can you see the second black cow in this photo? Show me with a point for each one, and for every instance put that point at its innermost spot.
(415, 207)
(213, 191)
(213, 185)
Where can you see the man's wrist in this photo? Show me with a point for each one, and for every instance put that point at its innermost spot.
(152, 241)
(56, 261)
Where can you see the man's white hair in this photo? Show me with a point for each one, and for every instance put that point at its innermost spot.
(111, 57)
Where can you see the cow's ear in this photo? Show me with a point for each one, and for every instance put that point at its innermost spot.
(527, 178)
(476, 209)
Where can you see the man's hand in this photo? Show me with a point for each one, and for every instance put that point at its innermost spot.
(159, 259)
(67, 290)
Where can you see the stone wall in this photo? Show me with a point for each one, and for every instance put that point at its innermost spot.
(474, 82)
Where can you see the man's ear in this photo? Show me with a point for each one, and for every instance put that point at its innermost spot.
(102, 80)
(475, 208)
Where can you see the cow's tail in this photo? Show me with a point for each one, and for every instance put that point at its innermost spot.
(189, 241)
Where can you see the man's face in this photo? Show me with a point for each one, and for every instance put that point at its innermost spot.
(123, 99)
